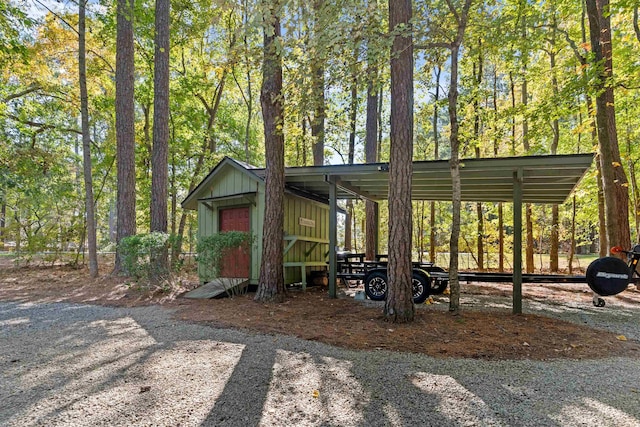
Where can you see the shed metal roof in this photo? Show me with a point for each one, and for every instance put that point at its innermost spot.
(545, 179)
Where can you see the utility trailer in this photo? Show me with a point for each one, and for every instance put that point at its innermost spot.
(605, 276)
(428, 279)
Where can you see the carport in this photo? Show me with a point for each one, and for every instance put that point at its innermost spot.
(529, 179)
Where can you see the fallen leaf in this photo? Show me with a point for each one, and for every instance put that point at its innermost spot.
(316, 394)
(621, 338)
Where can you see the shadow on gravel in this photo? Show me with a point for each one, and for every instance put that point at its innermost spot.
(65, 364)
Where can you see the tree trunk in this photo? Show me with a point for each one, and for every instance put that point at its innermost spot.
(371, 156)
(86, 142)
(480, 237)
(634, 189)
(399, 304)
(348, 224)
(160, 150)
(454, 163)
(529, 235)
(174, 195)
(271, 281)
(602, 228)
(3, 215)
(317, 88)
(614, 180)
(436, 156)
(495, 153)
(572, 247)
(249, 98)
(554, 263)
(555, 124)
(456, 198)
(476, 134)
(125, 127)
(500, 238)
(529, 266)
(353, 115)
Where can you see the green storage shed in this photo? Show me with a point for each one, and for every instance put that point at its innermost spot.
(232, 197)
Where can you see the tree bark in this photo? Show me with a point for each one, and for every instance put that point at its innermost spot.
(555, 124)
(454, 162)
(125, 127)
(371, 156)
(317, 87)
(476, 134)
(572, 247)
(602, 227)
(353, 115)
(456, 198)
(86, 142)
(495, 153)
(614, 180)
(634, 189)
(3, 214)
(271, 281)
(160, 149)
(436, 156)
(399, 304)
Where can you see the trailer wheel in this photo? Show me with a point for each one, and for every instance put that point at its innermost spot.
(375, 286)
(421, 287)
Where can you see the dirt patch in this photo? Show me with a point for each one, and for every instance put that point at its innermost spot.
(492, 333)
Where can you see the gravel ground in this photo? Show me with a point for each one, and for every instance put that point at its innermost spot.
(80, 365)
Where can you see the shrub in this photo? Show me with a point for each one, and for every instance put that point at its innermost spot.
(137, 253)
(212, 250)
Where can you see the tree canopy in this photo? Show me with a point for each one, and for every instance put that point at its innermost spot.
(529, 81)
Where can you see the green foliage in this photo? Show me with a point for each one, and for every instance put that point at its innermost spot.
(140, 250)
(212, 250)
(218, 44)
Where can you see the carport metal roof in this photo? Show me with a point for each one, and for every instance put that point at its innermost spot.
(545, 179)
(529, 179)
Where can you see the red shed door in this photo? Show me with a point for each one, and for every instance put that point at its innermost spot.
(236, 263)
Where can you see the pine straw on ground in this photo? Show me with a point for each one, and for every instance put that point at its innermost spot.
(493, 334)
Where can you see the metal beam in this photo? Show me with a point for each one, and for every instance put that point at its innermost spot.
(333, 236)
(350, 188)
(517, 241)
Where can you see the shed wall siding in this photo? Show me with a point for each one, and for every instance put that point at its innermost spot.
(294, 209)
(230, 182)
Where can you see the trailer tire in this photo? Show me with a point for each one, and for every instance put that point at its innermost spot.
(421, 287)
(376, 285)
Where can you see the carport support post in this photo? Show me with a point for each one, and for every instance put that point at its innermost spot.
(517, 241)
(333, 235)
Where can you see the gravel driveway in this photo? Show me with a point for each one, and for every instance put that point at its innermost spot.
(80, 365)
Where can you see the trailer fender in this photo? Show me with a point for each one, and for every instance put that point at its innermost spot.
(439, 282)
